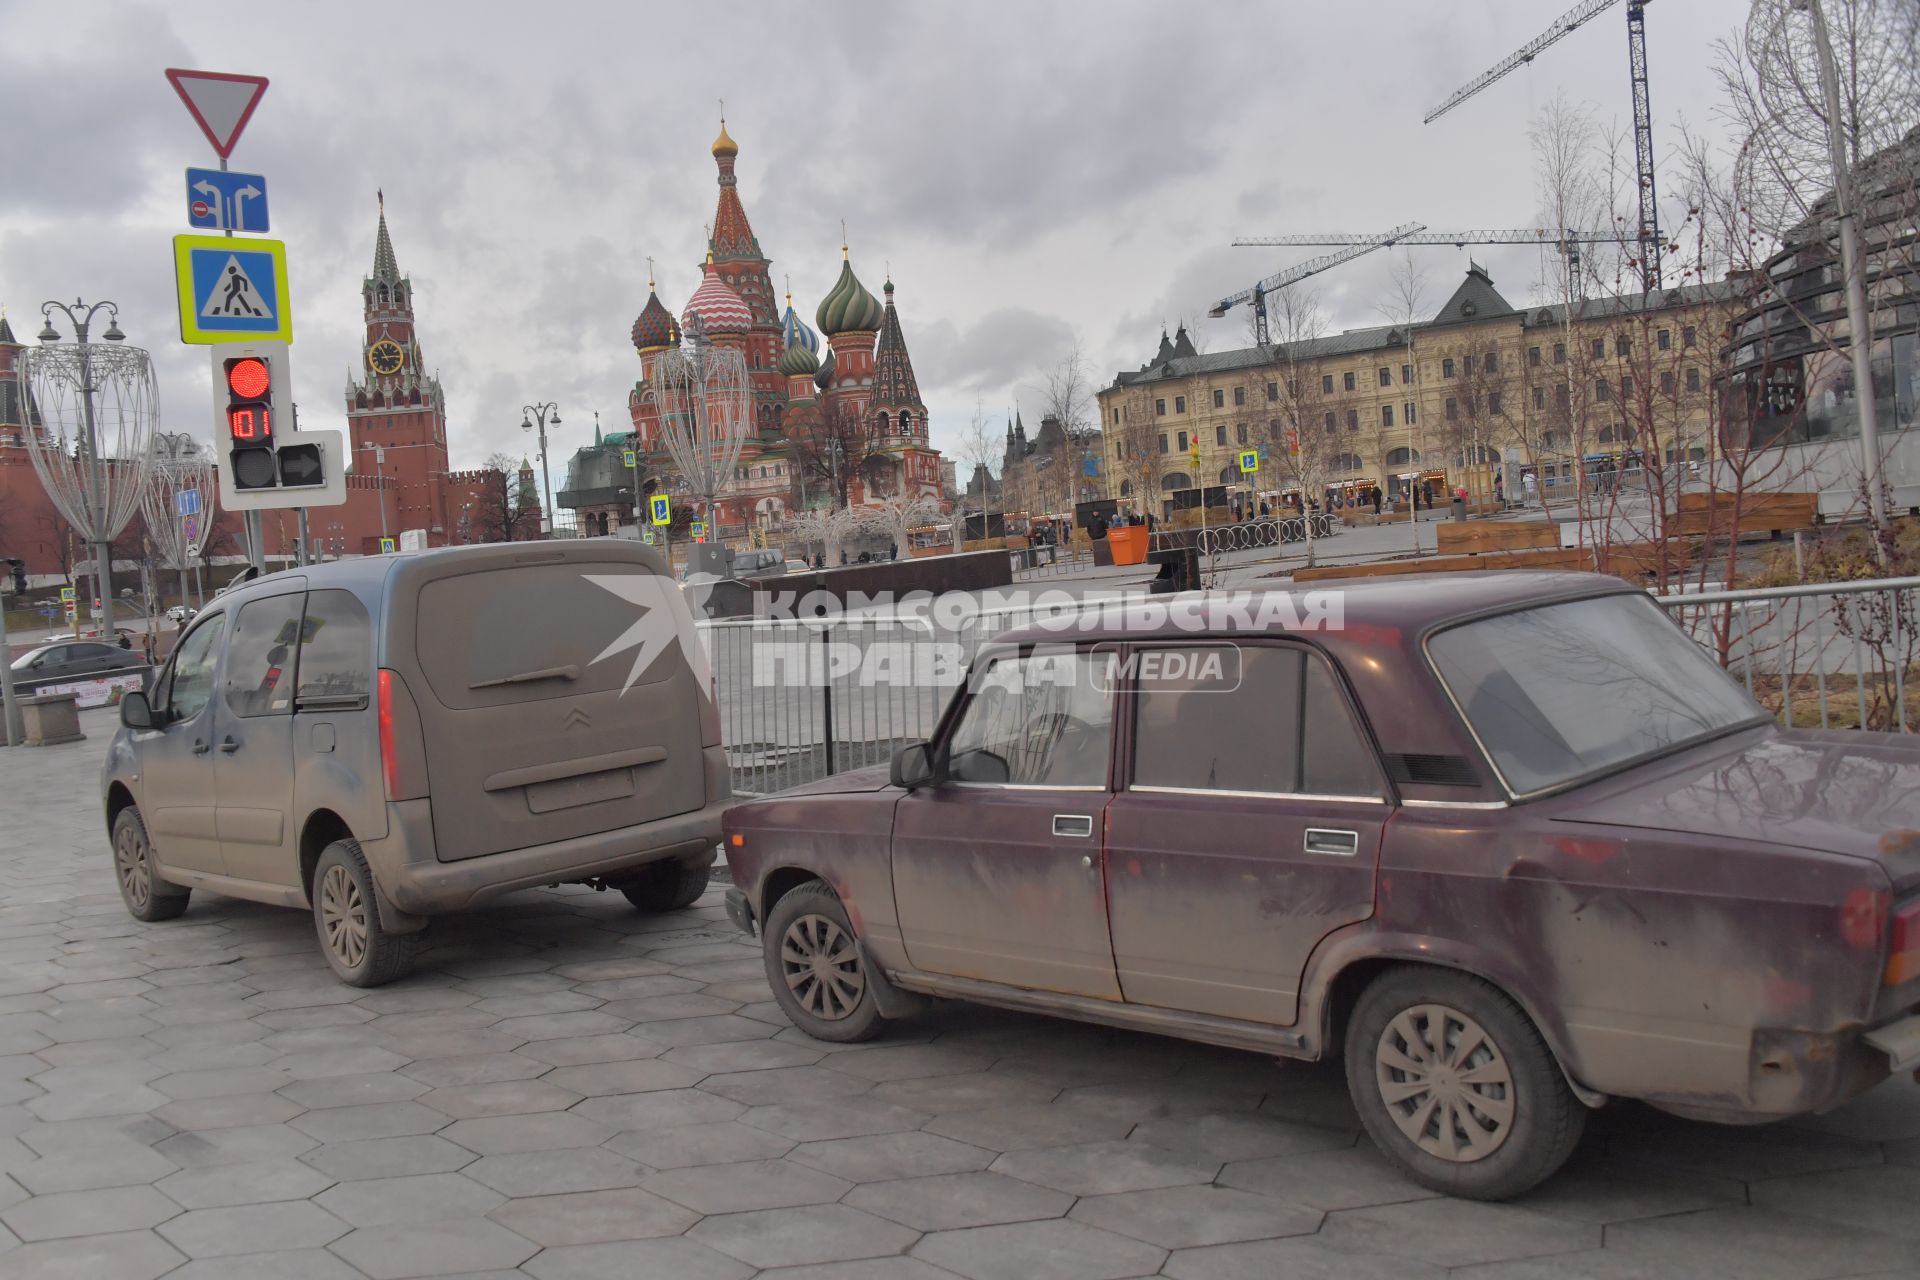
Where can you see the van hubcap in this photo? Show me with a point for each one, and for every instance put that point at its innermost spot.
(343, 916)
(1445, 1083)
(822, 967)
(130, 861)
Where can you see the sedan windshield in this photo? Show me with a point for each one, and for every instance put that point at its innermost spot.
(1567, 690)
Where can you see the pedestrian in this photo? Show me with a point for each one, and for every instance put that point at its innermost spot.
(1265, 511)
(146, 645)
(126, 641)
(1531, 485)
(1376, 500)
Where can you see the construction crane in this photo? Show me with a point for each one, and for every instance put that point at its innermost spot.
(1257, 295)
(1566, 24)
(1566, 240)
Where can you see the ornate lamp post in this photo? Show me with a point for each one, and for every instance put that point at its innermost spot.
(98, 406)
(542, 414)
(178, 467)
(705, 403)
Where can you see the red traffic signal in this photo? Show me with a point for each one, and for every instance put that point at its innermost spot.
(249, 378)
(250, 422)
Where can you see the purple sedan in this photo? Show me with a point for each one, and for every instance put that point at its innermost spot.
(1513, 844)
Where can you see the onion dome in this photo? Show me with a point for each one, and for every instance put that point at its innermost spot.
(724, 145)
(720, 309)
(848, 307)
(656, 329)
(824, 377)
(796, 361)
(796, 332)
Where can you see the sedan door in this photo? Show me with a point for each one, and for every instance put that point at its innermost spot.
(176, 759)
(997, 872)
(1249, 828)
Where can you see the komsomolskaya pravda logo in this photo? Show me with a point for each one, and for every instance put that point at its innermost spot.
(659, 627)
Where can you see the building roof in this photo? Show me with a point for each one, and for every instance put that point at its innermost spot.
(1475, 299)
(386, 268)
(848, 307)
(894, 385)
(655, 329)
(720, 309)
(732, 238)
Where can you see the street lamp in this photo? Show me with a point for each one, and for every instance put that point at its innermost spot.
(82, 393)
(542, 415)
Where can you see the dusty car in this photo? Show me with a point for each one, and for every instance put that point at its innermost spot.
(387, 739)
(1511, 843)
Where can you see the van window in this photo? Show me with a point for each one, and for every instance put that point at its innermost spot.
(336, 649)
(260, 656)
(190, 679)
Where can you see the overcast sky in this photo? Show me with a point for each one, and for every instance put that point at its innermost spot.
(1031, 171)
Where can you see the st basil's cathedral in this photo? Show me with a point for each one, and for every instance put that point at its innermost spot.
(863, 376)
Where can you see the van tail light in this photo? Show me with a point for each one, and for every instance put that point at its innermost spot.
(1903, 945)
(389, 758)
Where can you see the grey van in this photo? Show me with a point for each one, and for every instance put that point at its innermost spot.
(387, 739)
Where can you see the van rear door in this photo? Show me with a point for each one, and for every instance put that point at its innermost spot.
(560, 692)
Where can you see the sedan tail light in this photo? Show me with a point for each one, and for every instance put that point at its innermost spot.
(1903, 945)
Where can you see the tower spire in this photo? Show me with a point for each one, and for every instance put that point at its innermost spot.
(385, 267)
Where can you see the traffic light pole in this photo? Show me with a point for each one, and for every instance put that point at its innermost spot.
(15, 730)
(256, 543)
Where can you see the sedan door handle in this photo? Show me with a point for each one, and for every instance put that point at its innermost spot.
(1072, 824)
(1339, 844)
(230, 746)
(200, 747)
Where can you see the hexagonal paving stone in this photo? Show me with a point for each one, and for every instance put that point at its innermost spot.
(1187, 1217)
(441, 1248)
(911, 1062)
(86, 1213)
(639, 1075)
(376, 1120)
(388, 1157)
(214, 1186)
(757, 1087)
(680, 1259)
(975, 1091)
(352, 1091)
(718, 1029)
(538, 1131)
(1100, 1168)
(253, 1228)
(227, 1113)
(666, 999)
(1880, 1199)
(242, 1144)
(1013, 1128)
(665, 1109)
(887, 1156)
(861, 1269)
(802, 1237)
(745, 1185)
(719, 1142)
(502, 1098)
(1226, 1138)
(1349, 1178)
(299, 1264)
(1455, 1233)
(1305, 1258)
(348, 1060)
(425, 1197)
(833, 1118)
(593, 1217)
(481, 1068)
(1052, 1250)
(953, 1201)
(1757, 1243)
(742, 1056)
(544, 1173)
(553, 1026)
(131, 1255)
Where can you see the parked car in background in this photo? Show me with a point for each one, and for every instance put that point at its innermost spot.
(68, 660)
(181, 613)
(798, 566)
(1511, 843)
(759, 562)
(387, 739)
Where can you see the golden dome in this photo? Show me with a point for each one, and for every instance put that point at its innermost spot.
(725, 145)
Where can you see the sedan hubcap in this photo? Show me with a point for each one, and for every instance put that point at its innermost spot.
(343, 916)
(130, 861)
(1445, 1083)
(822, 967)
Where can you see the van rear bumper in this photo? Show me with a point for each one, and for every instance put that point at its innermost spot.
(407, 871)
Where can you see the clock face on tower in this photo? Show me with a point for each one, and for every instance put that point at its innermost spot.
(385, 356)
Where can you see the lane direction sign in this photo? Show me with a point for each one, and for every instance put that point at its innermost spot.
(186, 502)
(221, 104)
(231, 289)
(660, 509)
(224, 201)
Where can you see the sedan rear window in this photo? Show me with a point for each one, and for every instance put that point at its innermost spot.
(1568, 690)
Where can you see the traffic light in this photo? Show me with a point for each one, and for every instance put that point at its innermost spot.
(19, 576)
(250, 421)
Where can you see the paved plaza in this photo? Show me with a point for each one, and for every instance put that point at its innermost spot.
(566, 1089)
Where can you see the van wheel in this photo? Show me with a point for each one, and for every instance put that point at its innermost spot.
(1456, 1086)
(361, 952)
(666, 886)
(147, 896)
(818, 977)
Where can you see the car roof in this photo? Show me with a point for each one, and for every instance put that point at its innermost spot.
(1403, 605)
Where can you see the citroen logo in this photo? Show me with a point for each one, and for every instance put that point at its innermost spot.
(577, 719)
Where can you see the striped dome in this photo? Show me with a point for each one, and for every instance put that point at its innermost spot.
(656, 329)
(720, 309)
(824, 378)
(797, 361)
(848, 307)
(797, 333)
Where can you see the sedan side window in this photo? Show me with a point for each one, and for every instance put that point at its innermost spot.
(1037, 720)
(192, 686)
(1281, 729)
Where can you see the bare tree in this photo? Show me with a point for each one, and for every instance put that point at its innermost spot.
(1304, 450)
(897, 517)
(502, 511)
(979, 447)
(829, 527)
(1140, 456)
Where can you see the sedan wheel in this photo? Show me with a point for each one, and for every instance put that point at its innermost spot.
(1445, 1083)
(1456, 1086)
(822, 968)
(817, 968)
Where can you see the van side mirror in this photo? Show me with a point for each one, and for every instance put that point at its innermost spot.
(135, 711)
(913, 767)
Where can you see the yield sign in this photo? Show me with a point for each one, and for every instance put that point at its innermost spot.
(221, 104)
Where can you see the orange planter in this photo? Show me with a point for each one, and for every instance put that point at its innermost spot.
(1129, 543)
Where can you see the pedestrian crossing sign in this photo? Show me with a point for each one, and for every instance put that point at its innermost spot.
(387, 546)
(231, 288)
(626, 456)
(659, 508)
(1249, 461)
